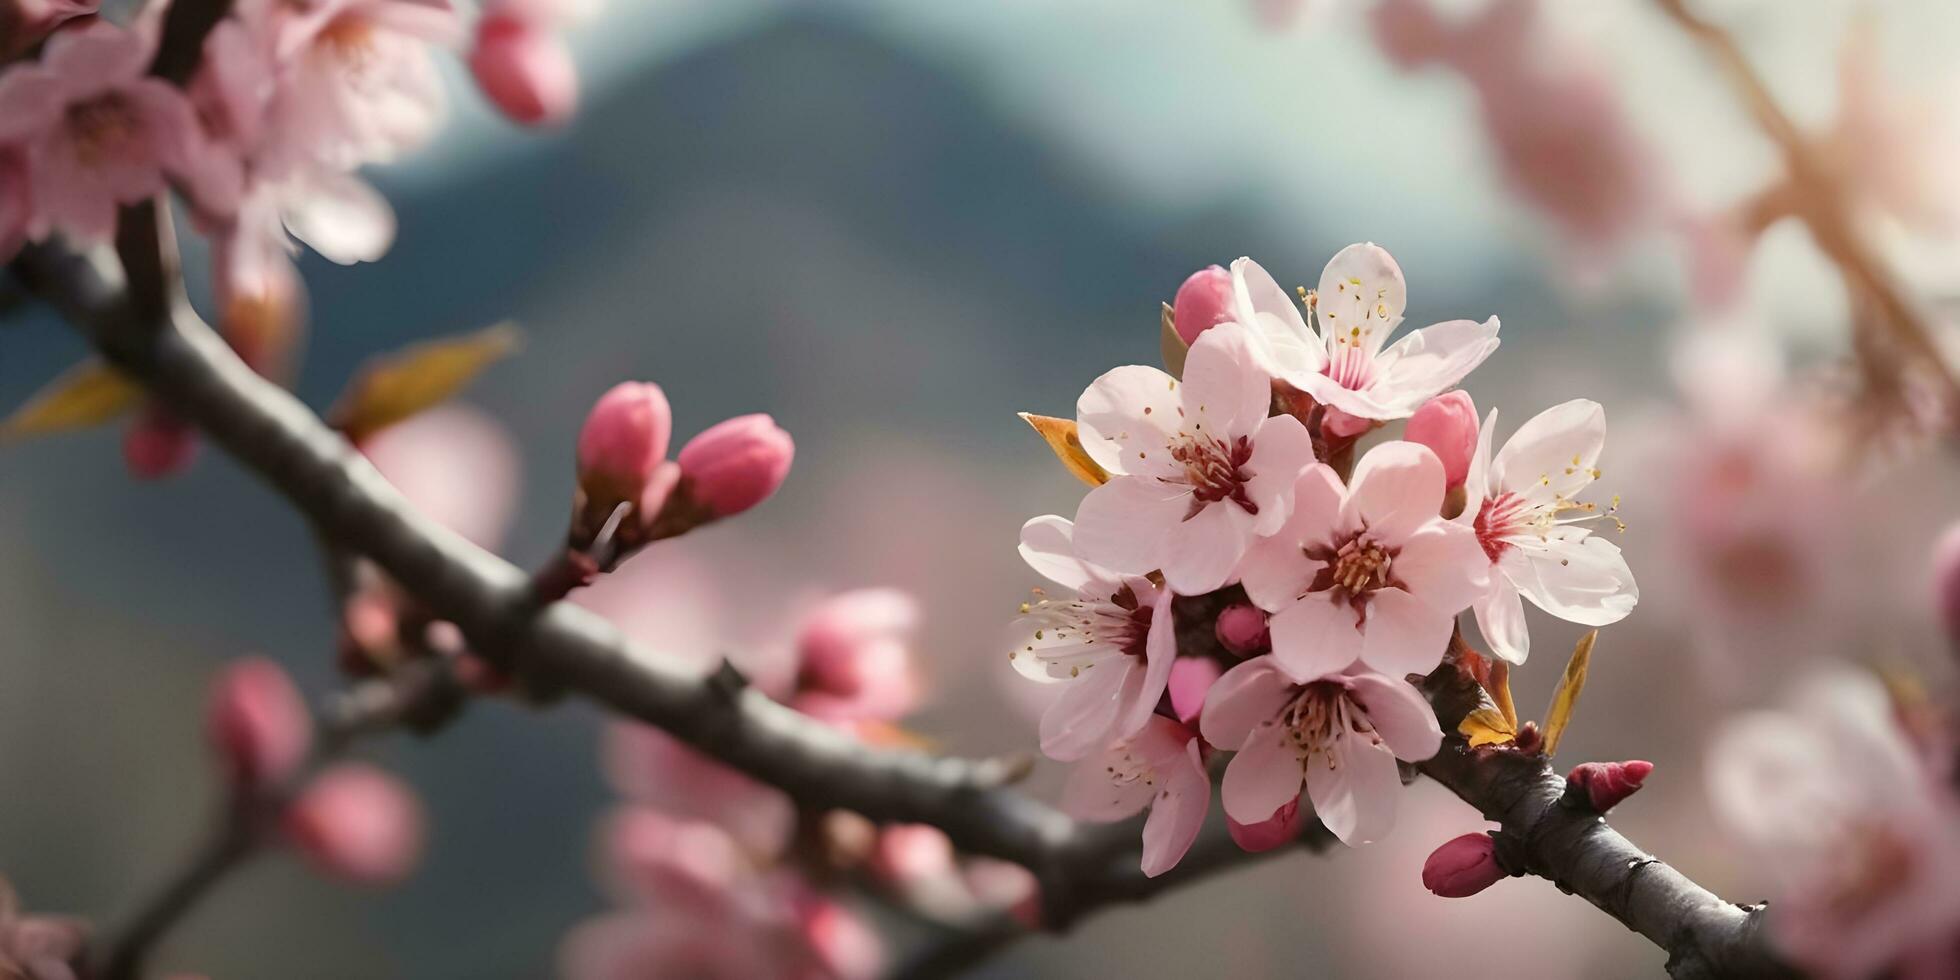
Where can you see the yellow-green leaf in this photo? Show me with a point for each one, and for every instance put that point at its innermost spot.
(1173, 346)
(397, 386)
(1487, 726)
(88, 394)
(1566, 697)
(1061, 437)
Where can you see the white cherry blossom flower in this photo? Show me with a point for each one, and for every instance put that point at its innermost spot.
(1368, 574)
(1112, 644)
(1197, 468)
(1524, 506)
(1344, 365)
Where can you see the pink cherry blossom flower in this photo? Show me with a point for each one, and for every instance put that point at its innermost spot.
(38, 947)
(257, 722)
(656, 859)
(358, 81)
(456, 465)
(649, 766)
(1344, 365)
(1524, 507)
(1277, 830)
(1197, 468)
(1160, 768)
(357, 823)
(1864, 835)
(1371, 574)
(525, 69)
(1111, 644)
(1340, 734)
(98, 132)
(856, 653)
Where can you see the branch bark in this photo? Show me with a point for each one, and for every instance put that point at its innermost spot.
(555, 646)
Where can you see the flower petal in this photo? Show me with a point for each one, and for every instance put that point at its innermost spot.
(1362, 295)
(1246, 697)
(1282, 450)
(342, 218)
(1402, 634)
(1276, 570)
(1444, 566)
(1576, 576)
(1128, 418)
(1316, 636)
(1430, 361)
(1160, 652)
(1477, 485)
(1263, 777)
(1500, 617)
(30, 102)
(1048, 546)
(1123, 524)
(1552, 456)
(1283, 343)
(1091, 792)
(1080, 721)
(1226, 392)
(1201, 552)
(1397, 488)
(1400, 714)
(1353, 787)
(1178, 812)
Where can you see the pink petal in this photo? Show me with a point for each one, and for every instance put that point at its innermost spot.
(1429, 361)
(344, 219)
(30, 102)
(1091, 794)
(98, 56)
(1202, 552)
(1444, 565)
(1576, 576)
(1316, 636)
(1397, 488)
(1282, 450)
(1400, 714)
(1081, 720)
(1123, 524)
(1226, 393)
(1283, 344)
(1500, 617)
(1048, 546)
(1246, 697)
(1191, 679)
(1177, 814)
(1353, 788)
(1553, 454)
(1160, 657)
(1263, 777)
(1274, 570)
(1128, 418)
(1403, 634)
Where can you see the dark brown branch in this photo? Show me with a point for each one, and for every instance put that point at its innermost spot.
(558, 646)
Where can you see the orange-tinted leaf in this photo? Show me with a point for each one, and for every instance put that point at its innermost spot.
(397, 386)
(1486, 726)
(1173, 346)
(1566, 697)
(1060, 436)
(1499, 687)
(88, 394)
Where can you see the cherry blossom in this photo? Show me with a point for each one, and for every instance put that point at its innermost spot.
(1197, 468)
(1160, 768)
(649, 766)
(358, 81)
(1524, 507)
(1864, 834)
(1369, 574)
(1340, 734)
(1112, 644)
(856, 657)
(98, 131)
(1344, 365)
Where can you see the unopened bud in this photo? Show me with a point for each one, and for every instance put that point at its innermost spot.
(257, 722)
(357, 823)
(1946, 583)
(1447, 424)
(1605, 784)
(624, 440)
(1274, 831)
(736, 464)
(1242, 629)
(908, 854)
(158, 444)
(1462, 867)
(1191, 679)
(1203, 302)
(525, 69)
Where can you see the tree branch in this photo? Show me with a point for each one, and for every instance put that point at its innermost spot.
(557, 646)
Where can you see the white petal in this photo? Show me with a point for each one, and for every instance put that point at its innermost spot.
(1397, 488)
(1048, 546)
(1263, 777)
(1578, 577)
(1282, 451)
(1128, 418)
(1553, 455)
(1315, 637)
(1160, 652)
(1285, 346)
(1201, 552)
(1403, 634)
(1500, 617)
(343, 218)
(1430, 361)
(1353, 788)
(1226, 392)
(1362, 295)
(1477, 485)
(1123, 524)
(1080, 721)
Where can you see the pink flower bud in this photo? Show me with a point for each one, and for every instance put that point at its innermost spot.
(1274, 831)
(1463, 866)
(525, 69)
(257, 722)
(1191, 679)
(736, 464)
(357, 823)
(844, 946)
(1605, 784)
(1447, 424)
(856, 651)
(1336, 425)
(913, 853)
(1946, 583)
(158, 445)
(1242, 629)
(624, 440)
(1204, 301)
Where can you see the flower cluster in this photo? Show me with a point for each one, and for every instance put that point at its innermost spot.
(719, 875)
(1232, 508)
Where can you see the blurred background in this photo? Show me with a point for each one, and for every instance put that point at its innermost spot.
(893, 224)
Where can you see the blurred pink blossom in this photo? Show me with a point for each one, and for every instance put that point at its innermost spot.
(257, 722)
(456, 465)
(1161, 767)
(1895, 147)
(38, 947)
(734, 465)
(358, 81)
(654, 858)
(856, 657)
(1197, 469)
(918, 861)
(158, 444)
(1191, 679)
(357, 823)
(525, 69)
(649, 766)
